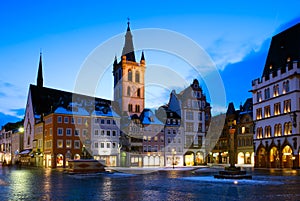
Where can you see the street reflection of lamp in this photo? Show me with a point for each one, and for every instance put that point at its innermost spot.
(83, 151)
(294, 118)
(173, 157)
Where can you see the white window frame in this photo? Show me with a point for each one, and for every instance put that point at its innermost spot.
(59, 119)
(77, 130)
(62, 132)
(69, 142)
(66, 120)
(70, 133)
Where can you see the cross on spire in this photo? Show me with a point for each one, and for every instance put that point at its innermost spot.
(128, 49)
(128, 23)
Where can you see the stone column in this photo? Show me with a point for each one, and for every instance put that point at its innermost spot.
(231, 147)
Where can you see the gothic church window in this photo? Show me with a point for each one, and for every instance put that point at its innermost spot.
(137, 76)
(138, 92)
(128, 91)
(129, 75)
(129, 107)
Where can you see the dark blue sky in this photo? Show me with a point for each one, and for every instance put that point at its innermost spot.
(235, 34)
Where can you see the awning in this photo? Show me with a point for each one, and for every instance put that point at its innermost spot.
(25, 151)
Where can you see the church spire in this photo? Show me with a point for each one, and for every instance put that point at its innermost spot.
(142, 57)
(115, 62)
(39, 81)
(128, 49)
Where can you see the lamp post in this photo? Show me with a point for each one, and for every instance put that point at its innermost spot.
(173, 157)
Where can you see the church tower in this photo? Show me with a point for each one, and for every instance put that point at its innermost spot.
(39, 80)
(129, 79)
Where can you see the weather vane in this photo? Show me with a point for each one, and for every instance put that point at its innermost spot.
(128, 21)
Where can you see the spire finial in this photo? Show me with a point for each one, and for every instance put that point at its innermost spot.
(40, 72)
(128, 49)
(115, 61)
(142, 57)
(128, 23)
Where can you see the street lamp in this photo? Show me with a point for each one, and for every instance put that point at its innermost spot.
(173, 157)
(21, 129)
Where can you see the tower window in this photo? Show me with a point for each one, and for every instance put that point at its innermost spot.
(137, 108)
(129, 107)
(137, 76)
(129, 75)
(138, 92)
(128, 91)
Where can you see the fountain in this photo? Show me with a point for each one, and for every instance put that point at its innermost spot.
(232, 172)
(85, 165)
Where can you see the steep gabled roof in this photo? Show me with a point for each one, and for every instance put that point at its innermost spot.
(47, 100)
(283, 46)
(230, 109)
(247, 108)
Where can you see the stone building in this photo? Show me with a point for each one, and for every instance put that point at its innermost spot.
(276, 103)
(191, 105)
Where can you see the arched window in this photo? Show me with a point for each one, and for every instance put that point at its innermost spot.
(138, 92)
(290, 128)
(129, 107)
(129, 75)
(128, 91)
(259, 133)
(286, 128)
(275, 90)
(268, 131)
(279, 130)
(137, 76)
(287, 86)
(137, 108)
(59, 160)
(275, 129)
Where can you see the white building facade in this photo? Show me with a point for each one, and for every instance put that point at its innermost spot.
(105, 128)
(276, 104)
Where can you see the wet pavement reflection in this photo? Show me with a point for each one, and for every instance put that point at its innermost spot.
(47, 184)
